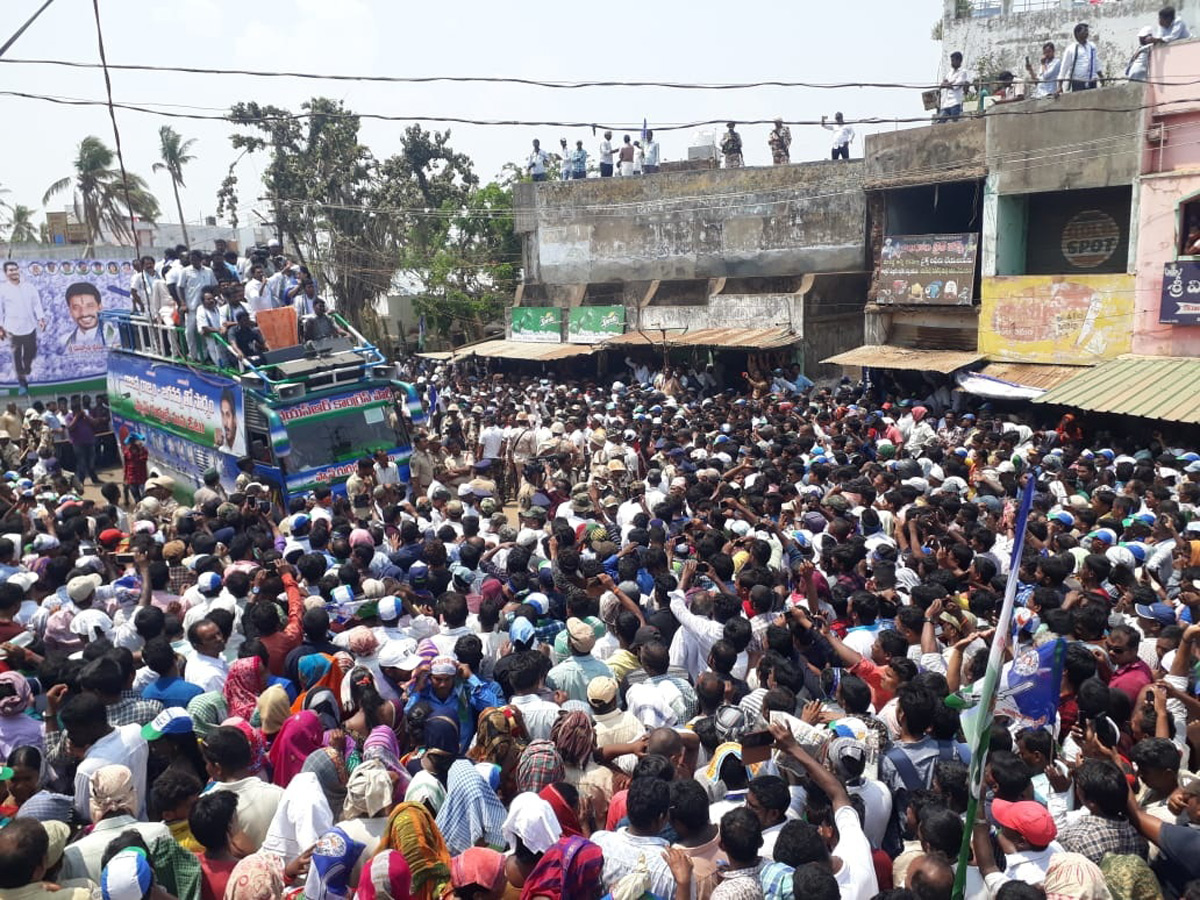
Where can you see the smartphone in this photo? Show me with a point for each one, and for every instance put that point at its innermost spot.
(756, 747)
(124, 559)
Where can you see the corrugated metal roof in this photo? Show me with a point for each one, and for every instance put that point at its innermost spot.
(527, 350)
(730, 338)
(883, 356)
(1153, 387)
(1032, 375)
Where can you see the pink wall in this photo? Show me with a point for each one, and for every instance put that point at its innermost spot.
(1157, 236)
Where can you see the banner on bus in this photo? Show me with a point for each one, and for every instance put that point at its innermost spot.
(50, 313)
(188, 404)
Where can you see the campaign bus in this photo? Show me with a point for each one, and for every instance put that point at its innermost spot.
(300, 416)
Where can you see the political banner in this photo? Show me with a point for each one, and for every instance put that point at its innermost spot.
(1180, 294)
(595, 324)
(927, 269)
(537, 324)
(190, 405)
(1030, 693)
(50, 321)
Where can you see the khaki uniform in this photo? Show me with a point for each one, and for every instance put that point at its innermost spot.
(420, 469)
(781, 145)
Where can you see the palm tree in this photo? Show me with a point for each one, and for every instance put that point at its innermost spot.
(175, 156)
(21, 227)
(100, 193)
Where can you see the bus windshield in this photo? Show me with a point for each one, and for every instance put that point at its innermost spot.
(343, 436)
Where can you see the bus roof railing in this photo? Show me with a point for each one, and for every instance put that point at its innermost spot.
(287, 373)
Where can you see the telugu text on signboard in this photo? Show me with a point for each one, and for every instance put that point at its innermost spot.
(1180, 294)
(928, 269)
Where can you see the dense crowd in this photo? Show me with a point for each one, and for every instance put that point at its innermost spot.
(689, 634)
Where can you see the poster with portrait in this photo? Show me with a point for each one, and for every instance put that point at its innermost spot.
(50, 321)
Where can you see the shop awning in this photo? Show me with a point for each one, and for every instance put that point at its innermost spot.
(526, 350)
(1032, 375)
(882, 356)
(726, 338)
(1152, 387)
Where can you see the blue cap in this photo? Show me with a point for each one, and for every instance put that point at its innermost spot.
(1104, 534)
(127, 876)
(1158, 612)
(1063, 518)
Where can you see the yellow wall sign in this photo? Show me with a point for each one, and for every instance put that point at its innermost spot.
(1067, 319)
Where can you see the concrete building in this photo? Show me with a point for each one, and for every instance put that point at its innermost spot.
(744, 260)
(994, 35)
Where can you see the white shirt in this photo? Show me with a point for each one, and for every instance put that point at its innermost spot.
(192, 282)
(953, 94)
(257, 803)
(1047, 83)
(257, 297)
(622, 850)
(877, 804)
(1081, 62)
(82, 858)
(856, 879)
(1177, 32)
(537, 162)
(606, 152)
(651, 153)
(492, 438)
(843, 135)
(862, 640)
(206, 672)
(20, 307)
(123, 746)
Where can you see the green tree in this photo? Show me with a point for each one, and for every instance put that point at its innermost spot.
(359, 222)
(100, 194)
(21, 229)
(174, 152)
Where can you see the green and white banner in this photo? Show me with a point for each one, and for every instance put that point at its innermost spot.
(595, 324)
(538, 324)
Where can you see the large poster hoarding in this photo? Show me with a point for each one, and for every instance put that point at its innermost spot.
(50, 316)
(927, 269)
(1070, 320)
(1180, 294)
(594, 324)
(539, 324)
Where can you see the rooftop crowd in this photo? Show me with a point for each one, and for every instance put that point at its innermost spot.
(704, 652)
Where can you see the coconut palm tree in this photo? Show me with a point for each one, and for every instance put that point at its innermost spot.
(21, 227)
(100, 193)
(174, 152)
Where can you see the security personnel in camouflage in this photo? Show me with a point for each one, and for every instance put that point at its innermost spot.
(731, 147)
(780, 142)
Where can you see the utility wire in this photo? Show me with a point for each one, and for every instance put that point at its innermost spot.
(525, 82)
(112, 114)
(20, 31)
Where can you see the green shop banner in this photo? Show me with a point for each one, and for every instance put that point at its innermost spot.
(595, 324)
(540, 324)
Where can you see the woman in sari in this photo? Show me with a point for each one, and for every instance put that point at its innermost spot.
(540, 765)
(500, 738)
(247, 679)
(385, 877)
(478, 874)
(318, 671)
(381, 746)
(274, 707)
(411, 831)
(16, 728)
(564, 800)
(300, 735)
(440, 752)
(332, 771)
(472, 811)
(570, 870)
(208, 711)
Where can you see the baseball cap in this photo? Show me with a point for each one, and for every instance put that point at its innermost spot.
(581, 635)
(647, 634)
(83, 586)
(172, 720)
(86, 621)
(1157, 612)
(1029, 819)
(389, 609)
(1104, 534)
(1189, 783)
(602, 689)
(127, 876)
(208, 582)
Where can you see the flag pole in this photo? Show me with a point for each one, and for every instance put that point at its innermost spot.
(977, 722)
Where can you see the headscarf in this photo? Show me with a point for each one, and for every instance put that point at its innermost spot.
(411, 831)
(1072, 876)
(472, 810)
(567, 817)
(317, 671)
(369, 791)
(1129, 877)
(712, 774)
(361, 641)
(208, 711)
(325, 705)
(382, 747)
(111, 790)
(575, 738)
(300, 735)
(441, 734)
(501, 731)
(385, 877)
(333, 860)
(425, 788)
(330, 768)
(918, 413)
(258, 876)
(16, 703)
(531, 821)
(571, 868)
(479, 866)
(274, 707)
(247, 678)
(539, 766)
(258, 743)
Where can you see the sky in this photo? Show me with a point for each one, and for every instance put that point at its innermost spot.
(694, 42)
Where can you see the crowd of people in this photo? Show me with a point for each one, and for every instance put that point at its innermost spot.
(1080, 68)
(683, 634)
